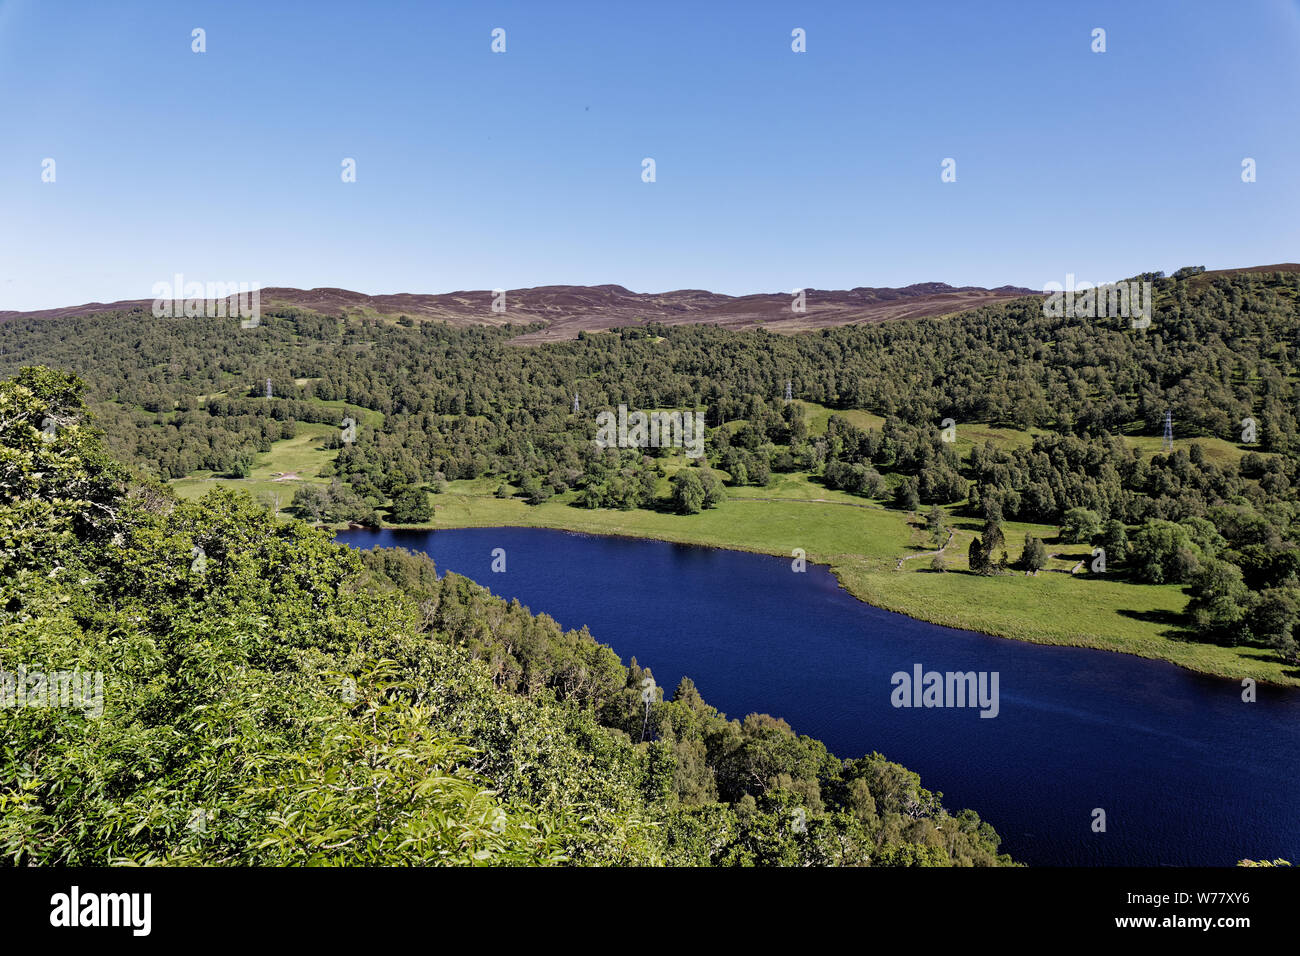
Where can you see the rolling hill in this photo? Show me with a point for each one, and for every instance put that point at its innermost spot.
(567, 310)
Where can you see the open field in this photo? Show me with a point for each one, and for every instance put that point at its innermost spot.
(304, 455)
(862, 544)
(860, 540)
(971, 434)
(817, 417)
(1216, 449)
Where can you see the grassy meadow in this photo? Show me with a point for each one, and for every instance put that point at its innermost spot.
(303, 455)
(861, 541)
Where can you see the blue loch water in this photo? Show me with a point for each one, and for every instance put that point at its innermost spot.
(1187, 773)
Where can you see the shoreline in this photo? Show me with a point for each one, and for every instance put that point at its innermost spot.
(845, 573)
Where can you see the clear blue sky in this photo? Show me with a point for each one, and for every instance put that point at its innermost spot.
(775, 170)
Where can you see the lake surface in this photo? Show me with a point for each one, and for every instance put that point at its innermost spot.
(1187, 773)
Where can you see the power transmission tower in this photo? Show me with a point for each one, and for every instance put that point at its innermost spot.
(575, 404)
(1169, 432)
(789, 391)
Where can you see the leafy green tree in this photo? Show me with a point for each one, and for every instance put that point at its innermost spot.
(535, 490)
(309, 502)
(992, 536)
(980, 554)
(1114, 540)
(934, 519)
(410, 506)
(1080, 525)
(1272, 619)
(714, 491)
(905, 496)
(688, 492)
(1163, 552)
(1220, 600)
(1034, 556)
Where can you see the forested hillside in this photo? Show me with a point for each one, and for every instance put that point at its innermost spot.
(1073, 407)
(271, 698)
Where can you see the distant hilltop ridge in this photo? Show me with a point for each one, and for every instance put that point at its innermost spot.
(567, 310)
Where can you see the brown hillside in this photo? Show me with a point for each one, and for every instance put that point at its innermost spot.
(566, 310)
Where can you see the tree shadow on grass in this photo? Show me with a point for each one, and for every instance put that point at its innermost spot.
(1176, 623)
(1268, 654)
(1177, 628)
(1263, 655)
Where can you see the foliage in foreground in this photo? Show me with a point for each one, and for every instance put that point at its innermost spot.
(270, 698)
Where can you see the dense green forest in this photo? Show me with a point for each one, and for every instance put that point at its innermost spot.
(436, 404)
(270, 698)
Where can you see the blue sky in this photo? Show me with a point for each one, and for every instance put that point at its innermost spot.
(775, 169)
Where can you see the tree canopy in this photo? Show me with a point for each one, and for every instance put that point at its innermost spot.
(271, 698)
